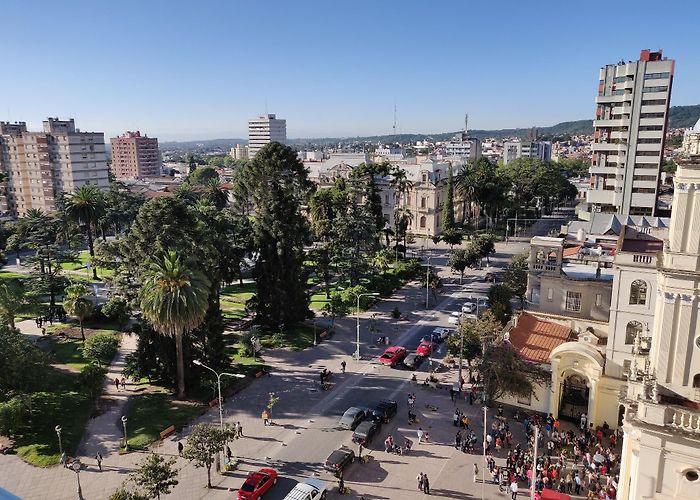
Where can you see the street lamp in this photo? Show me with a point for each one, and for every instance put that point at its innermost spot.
(221, 400)
(357, 316)
(427, 283)
(126, 444)
(314, 330)
(60, 445)
(75, 467)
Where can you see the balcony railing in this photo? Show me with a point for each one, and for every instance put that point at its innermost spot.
(686, 421)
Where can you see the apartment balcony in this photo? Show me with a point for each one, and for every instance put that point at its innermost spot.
(624, 109)
(608, 146)
(623, 122)
(649, 147)
(650, 134)
(609, 99)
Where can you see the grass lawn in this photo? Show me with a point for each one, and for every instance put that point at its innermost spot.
(64, 403)
(234, 314)
(80, 266)
(239, 292)
(149, 414)
(318, 300)
(10, 275)
(68, 352)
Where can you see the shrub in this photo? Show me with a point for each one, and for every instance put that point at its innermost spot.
(11, 413)
(117, 309)
(91, 378)
(101, 347)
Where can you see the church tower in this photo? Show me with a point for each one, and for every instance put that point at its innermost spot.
(660, 456)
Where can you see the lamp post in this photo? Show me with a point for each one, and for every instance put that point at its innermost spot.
(357, 316)
(60, 445)
(75, 467)
(427, 284)
(126, 443)
(483, 465)
(221, 400)
(315, 330)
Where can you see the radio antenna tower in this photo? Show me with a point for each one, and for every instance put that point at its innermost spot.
(466, 123)
(394, 127)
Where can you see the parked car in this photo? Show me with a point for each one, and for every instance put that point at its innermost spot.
(443, 332)
(310, 489)
(424, 348)
(469, 307)
(257, 484)
(433, 337)
(351, 418)
(454, 318)
(385, 410)
(339, 459)
(412, 361)
(393, 355)
(366, 431)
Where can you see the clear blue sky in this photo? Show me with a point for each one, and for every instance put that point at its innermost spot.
(194, 70)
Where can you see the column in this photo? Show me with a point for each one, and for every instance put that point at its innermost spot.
(678, 229)
(664, 331)
(681, 346)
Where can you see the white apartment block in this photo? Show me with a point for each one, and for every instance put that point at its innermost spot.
(239, 152)
(464, 148)
(264, 130)
(629, 130)
(512, 150)
(40, 165)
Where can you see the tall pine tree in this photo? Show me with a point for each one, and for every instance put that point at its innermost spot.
(448, 209)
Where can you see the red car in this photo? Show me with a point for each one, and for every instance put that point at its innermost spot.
(425, 348)
(393, 355)
(257, 484)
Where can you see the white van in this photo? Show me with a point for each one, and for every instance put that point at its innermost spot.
(310, 489)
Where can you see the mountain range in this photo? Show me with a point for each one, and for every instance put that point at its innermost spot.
(679, 117)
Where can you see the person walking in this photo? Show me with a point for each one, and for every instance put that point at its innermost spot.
(458, 440)
(343, 364)
(419, 478)
(476, 472)
(116, 383)
(420, 434)
(513, 490)
(265, 417)
(426, 484)
(98, 457)
(180, 448)
(229, 454)
(124, 383)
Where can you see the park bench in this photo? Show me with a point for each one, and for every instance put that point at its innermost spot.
(165, 433)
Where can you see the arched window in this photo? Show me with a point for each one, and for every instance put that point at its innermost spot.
(422, 222)
(422, 202)
(633, 328)
(638, 292)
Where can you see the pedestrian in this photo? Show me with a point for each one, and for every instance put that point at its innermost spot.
(116, 383)
(420, 434)
(452, 395)
(341, 484)
(98, 457)
(359, 452)
(419, 478)
(583, 421)
(458, 440)
(476, 472)
(342, 366)
(513, 490)
(180, 447)
(43, 331)
(426, 484)
(465, 421)
(265, 417)
(455, 417)
(124, 383)
(229, 454)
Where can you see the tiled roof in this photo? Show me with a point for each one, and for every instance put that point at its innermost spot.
(568, 252)
(535, 338)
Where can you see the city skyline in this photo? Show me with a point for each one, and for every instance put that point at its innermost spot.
(330, 71)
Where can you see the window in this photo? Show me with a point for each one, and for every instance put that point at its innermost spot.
(654, 89)
(652, 76)
(573, 301)
(638, 293)
(696, 381)
(626, 366)
(643, 190)
(422, 202)
(651, 115)
(422, 222)
(654, 102)
(633, 329)
(550, 294)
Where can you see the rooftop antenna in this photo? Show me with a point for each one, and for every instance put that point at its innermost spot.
(394, 127)
(466, 123)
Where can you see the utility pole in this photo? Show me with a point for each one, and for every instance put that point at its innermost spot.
(483, 465)
(534, 463)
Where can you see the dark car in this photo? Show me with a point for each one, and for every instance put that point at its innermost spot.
(385, 410)
(435, 338)
(365, 431)
(339, 459)
(352, 418)
(413, 361)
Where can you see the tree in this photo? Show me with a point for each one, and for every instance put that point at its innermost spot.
(505, 372)
(215, 193)
(484, 245)
(448, 207)
(77, 305)
(85, 207)
(452, 237)
(91, 377)
(14, 299)
(22, 364)
(101, 347)
(174, 300)
(117, 308)
(462, 258)
(336, 306)
(156, 475)
(121, 208)
(515, 277)
(201, 176)
(277, 184)
(203, 443)
(469, 342)
(499, 298)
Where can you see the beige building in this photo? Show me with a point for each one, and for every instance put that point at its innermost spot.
(239, 152)
(629, 131)
(40, 165)
(135, 156)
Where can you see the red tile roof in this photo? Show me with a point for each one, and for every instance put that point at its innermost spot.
(568, 252)
(535, 338)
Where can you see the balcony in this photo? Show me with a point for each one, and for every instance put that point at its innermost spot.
(608, 99)
(623, 122)
(608, 146)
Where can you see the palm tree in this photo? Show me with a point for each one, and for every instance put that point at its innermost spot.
(85, 206)
(216, 194)
(13, 300)
(76, 304)
(174, 299)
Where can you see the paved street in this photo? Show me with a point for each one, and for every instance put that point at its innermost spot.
(305, 419)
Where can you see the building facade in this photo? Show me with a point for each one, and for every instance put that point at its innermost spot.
(264, 130)
(512, 150)
(41, 165)
(135, 156)
(629, 131)
(239, 152)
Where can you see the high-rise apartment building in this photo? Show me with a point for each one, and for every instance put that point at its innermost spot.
(628, 138)
(264, 130)
(239, 152)
(135, 156)
(40, 165)
(512, 150)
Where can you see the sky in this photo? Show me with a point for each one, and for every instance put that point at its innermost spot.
(194, 70)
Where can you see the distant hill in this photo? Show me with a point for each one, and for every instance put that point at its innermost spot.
(679, 117)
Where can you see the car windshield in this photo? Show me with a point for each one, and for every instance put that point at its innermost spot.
(247, 487)
(388, 355)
